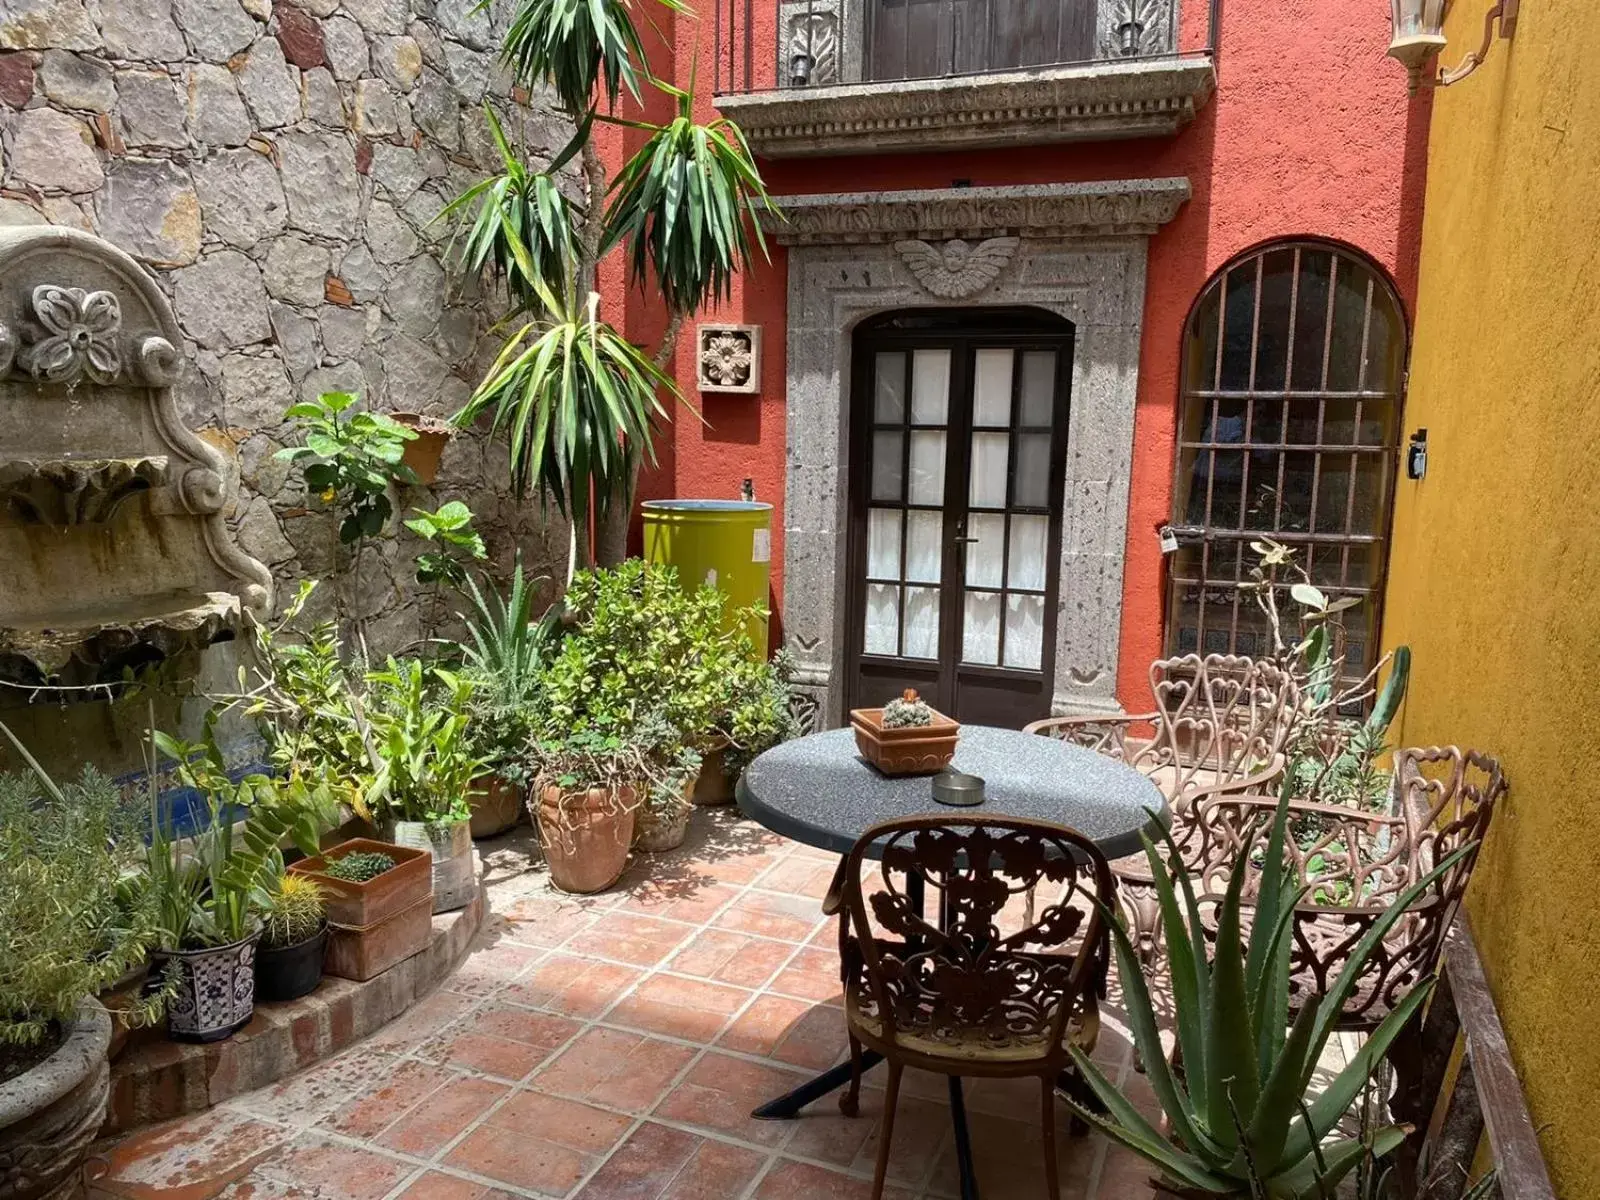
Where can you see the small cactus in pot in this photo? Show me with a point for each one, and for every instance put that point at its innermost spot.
(907, 711)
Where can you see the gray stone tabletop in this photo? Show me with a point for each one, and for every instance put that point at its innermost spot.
(820, 791)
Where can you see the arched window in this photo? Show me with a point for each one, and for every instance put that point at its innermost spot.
(1288, 428)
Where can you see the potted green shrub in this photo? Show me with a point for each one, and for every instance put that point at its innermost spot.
(417, 720)
(663, 819)
(379, 903)
(756, 713)
(212, 888)
(1240, 1115)
(63, 937)
(503, 655)
(636, 676)
(295, 934)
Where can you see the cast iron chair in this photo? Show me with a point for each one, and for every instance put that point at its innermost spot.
(978, 990)
(1355, 864)
(1219, 728)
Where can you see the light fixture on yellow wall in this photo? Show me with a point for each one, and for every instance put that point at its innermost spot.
(1419, 35)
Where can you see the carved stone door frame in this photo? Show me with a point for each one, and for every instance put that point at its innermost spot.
(1080, 252)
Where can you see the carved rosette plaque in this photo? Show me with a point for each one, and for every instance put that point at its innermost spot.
(728, 358)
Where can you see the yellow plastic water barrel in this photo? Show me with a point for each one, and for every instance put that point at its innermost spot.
(726, 543)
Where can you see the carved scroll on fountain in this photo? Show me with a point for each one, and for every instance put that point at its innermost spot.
(113, 538)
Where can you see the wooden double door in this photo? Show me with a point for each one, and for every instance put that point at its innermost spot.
(957, 469)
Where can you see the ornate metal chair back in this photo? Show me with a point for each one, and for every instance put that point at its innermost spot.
(944, 949)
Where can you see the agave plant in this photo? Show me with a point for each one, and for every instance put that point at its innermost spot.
(1241, 1120)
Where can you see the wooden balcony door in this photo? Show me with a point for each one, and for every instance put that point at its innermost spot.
(958, 459)
(924, 39)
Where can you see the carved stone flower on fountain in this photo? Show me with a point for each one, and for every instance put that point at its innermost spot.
(112, 512)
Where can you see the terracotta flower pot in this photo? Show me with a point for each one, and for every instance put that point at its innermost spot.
(216, 993)
(713, 785)
(496, 805)
(586, 835)
(908, 750)
(50, 1113)
(654, 833)
(422, 453)
(376, 924)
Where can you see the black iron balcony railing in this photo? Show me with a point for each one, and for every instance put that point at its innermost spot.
(774, 45)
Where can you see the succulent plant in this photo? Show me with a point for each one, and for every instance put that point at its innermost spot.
(359, 866)
(907, 711)
(294, 913)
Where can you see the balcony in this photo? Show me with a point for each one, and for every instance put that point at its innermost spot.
(840, 77)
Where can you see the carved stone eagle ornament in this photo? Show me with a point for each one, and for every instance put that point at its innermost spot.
(956, 268)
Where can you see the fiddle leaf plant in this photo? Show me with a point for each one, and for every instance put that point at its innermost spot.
(1242, 1119)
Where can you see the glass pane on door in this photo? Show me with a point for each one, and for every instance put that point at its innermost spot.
(905, 514)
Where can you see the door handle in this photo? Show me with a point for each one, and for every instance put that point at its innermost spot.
(964, 539)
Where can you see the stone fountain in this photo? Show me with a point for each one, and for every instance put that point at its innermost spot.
(114, 551)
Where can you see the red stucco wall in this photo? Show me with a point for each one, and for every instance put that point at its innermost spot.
(1311, 133)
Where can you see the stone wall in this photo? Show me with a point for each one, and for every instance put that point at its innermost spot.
(278, 166)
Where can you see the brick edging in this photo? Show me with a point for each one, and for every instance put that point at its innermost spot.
(156, 1080)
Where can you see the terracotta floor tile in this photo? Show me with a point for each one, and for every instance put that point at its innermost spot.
(630, 938)
(1124, 1176)
(733, 865)
(190, 1159)
(659, 1163)
(335, 1171)
(788, 1180)
(1009, 1162)
(813, 974)
(685, 1008)
(921, 1128)
(434, 1123)
(792, 1031)
(489, 968)
(305, 1098)
(541, 1142)
(617, 1069)
(256, 1186)
(730, 957)
(720, 1091)
(421, 1021)
(774, 915)
(544, 922)
(575, 987)
(822, 1132)
(386, 1099)
(800, 876)
(502, 1040)
(692, 901)
(436, 1185)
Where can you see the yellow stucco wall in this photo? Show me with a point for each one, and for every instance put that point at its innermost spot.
(1495, 569)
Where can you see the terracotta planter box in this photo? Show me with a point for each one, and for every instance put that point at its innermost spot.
(376, 924)
(913, 750)
(422, 453)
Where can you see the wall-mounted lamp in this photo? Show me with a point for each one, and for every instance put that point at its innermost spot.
(1419, 35)
(800, 69)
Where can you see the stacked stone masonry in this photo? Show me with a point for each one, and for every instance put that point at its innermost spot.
(279, 167)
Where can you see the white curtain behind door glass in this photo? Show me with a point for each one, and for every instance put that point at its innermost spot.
(924, 535)
(980, 629)
(883, 543)
(883, 619)
(927, 467)
(989, 454)
(1038, 387)
(1024, 631)
(930, 387)
(922, 623)
(1029, 534)
(991, 388)
(889, 402)
(986, 556)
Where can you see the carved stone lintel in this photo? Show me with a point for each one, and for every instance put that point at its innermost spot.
(1113, 208)
(1125, 98)
(958, 268)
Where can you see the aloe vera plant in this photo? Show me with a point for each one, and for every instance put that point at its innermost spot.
(1240, 1117)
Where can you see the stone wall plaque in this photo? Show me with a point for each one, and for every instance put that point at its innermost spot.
(728, 358)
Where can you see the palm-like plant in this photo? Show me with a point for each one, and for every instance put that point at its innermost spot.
(1240, 1120)
(576, 400)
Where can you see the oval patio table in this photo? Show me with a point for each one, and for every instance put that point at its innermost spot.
(820, 791)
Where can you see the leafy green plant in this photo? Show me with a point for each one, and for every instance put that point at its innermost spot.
(359, 866)
(577, 402)
(349, 458)
(504, 656)
(417, 718)
(72, 918)
(214, 886)
(294, 911)
(758, 710)
(452, 543)
(1241, 1118)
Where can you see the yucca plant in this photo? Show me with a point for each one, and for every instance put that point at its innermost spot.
(1241, 1118)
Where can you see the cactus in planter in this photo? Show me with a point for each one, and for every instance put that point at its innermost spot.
(359, 867)
(294, 913)
(1241, 1119)
(907, 711)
